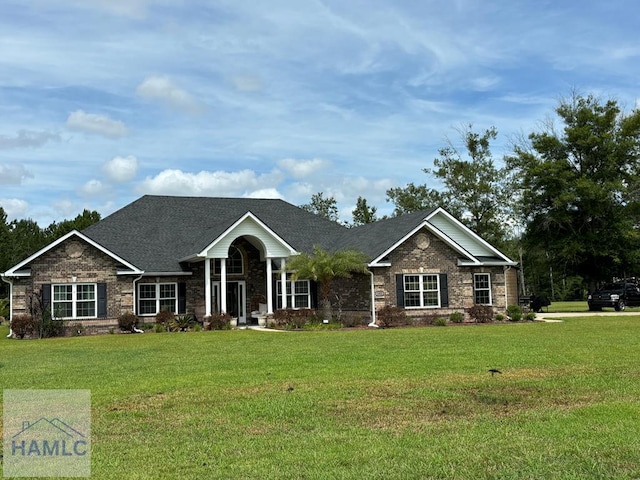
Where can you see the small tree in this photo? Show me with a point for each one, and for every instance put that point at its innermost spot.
(323, 266)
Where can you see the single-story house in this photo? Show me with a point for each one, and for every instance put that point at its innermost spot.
(199, 256)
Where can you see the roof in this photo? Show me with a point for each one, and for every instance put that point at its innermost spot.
(156, 232)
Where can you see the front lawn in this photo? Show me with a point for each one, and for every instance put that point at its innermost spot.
(397, 403)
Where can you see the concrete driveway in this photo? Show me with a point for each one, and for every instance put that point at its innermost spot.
(544, 317)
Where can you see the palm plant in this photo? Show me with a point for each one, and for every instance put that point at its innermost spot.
(323, 266)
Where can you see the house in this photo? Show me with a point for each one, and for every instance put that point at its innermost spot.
(200, 256)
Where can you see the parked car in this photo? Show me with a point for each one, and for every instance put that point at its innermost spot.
(618, 295)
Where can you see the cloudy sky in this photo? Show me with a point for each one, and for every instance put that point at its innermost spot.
(102, 101)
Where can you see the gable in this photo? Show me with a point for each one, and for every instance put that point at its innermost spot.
(72, 243)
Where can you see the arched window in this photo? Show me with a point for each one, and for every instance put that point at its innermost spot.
(235, 262)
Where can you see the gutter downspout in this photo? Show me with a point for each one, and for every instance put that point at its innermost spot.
(135, 290)
(373, 323)
(506, 289)
(4, 279)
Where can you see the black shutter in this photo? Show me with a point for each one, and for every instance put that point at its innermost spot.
(444, 290)
(182, 298)
(46, 296)
(102, 300)
(313, 286)
(400, 290)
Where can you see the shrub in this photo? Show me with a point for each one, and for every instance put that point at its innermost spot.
(456, 317)
(440, 322)
(76, 330)
(219, 321)
(165, 317)
(499, 317)
(481, 313)
(181, 323)
(159, 328)
(24, 325)
(127, 322)
(294, 319)
(531, 316)
(391, 316)
(514, 312)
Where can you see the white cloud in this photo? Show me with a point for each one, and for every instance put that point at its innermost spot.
(224, 184)
(13, 174)
(92, 188)
(121, 169)
(28, 138)
(14, 207)
(97, 124)
(163, 89)
(265, 193)
(303, 168)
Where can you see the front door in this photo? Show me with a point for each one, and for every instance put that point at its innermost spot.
(236, 299)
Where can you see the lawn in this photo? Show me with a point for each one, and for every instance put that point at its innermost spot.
(396, 403)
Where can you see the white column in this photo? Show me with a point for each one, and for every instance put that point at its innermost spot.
(269, 286)
(283, 279)
(207, 286)
(223, 285)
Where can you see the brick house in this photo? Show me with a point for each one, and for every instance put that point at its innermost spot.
(200, 256)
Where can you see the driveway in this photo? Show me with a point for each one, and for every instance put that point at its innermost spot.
(543, 317)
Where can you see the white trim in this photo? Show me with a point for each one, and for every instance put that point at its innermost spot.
(475, 275)
(471, 233)
(74, 300)
(421, 290)
(229, 230)
(157, 298)
(293, 295)
(12, 272)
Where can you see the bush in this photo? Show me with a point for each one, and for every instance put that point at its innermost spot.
(218, 321)
(499, 317)
(440, 322)
(514, 312)
(127, 322)
(181, 323)
(390, 316)
(76, 330)
(294, 319)
(531, 316)
(456, 317)
(24, 325)
(481, 313)
(165, 317)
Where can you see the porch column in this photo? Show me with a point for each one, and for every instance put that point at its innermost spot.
(269, 286)
(207, 287)
(283, 279)
(223, 285)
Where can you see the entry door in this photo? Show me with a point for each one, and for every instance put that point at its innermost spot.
(236, 299)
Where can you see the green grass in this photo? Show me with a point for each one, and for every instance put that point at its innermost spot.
(393, 404)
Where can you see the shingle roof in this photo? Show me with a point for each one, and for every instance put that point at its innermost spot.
(374, 238)
(155, 232)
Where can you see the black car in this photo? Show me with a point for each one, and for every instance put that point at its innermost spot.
(617, 295)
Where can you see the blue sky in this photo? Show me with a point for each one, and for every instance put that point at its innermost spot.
(102, 101)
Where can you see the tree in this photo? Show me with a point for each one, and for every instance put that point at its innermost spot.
(415, 198)
(363, 213)
(82, 221)
(323, 267)
(580, 190)
(325, 207)
(474, 189)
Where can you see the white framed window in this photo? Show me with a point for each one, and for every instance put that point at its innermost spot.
(482, 288)
(235, 263)
(155, 297)
(298, 294)
(74, 300)
(421, 291)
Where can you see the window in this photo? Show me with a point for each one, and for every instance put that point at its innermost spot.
(74, 301)
(235, 263)
(155, 297)
(482, 288)
(298, 294)
(421, 291)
